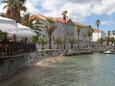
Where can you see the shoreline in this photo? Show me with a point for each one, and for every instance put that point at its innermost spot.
(26, 71)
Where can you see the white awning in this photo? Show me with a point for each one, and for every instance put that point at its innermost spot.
(19, 32)
(9, 28)
(26, 31)
(7, 21)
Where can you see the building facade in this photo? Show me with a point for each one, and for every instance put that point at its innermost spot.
(98, 34)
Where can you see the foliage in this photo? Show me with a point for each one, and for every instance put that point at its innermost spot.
(112, 40)
(101, 40)
(42, 41)
(98, 23)
(27, 21)
(50, 27)
(107, 39)
(109, 33)
(14, 8)
(89, 32)
(78, 28)
(3, 36)
(72, 41)
(58, 41)
(34, 39)
(64, 14)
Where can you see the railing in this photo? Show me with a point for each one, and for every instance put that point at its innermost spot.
(13, 48)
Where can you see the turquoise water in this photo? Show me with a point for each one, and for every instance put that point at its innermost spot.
(82, 70)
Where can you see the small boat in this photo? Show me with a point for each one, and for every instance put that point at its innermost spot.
(109, 52)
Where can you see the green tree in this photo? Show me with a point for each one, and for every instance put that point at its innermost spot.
(112, 40)
(72, 41)
(58, 42)
(89, 32)
(14, 8)
(109, 33)
(34, 39)
(107, 39)
(42, 41)
(113, 32)
(101, 40)
(28, 21)
(64, 14)
(78, 28)
(98, 23)
(50, 27)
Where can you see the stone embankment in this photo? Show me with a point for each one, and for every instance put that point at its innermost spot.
(77, 52)
(10, 65)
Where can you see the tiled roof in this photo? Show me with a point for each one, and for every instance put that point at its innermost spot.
(61, 20)
(79, 24)
(39, 16)
(96, 30)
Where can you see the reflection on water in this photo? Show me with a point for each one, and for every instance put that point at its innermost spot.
(84, 70)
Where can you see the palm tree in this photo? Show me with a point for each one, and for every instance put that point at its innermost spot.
(14, 8)
(112, 40)
(28, 21)
(58, 41)
(64, 14)
(113, 32)
(72, 41)
(78, 32)
(34, 39)
(89, 32)
(50, 27)
(107, 39)
(101, 40)
(109, 33)
(98, 23)
(42, 41)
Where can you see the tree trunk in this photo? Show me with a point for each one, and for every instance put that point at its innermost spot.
(101, 44)
(50, 43)
(71, 45)
(57, 46)
(78, 40)
(89, 40)
(42, 47)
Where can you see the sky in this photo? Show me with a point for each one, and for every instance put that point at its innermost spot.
(83, 11)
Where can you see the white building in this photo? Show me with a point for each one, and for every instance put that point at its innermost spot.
(98, 34)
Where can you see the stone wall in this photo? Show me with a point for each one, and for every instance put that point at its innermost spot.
(10, 65)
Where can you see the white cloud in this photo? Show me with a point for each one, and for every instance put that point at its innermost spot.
(107, 23)
(31, 6)
(77, 9)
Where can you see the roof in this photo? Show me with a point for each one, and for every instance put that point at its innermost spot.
(79, 24)
(96, 30)
(26, 31)
(9, 28)
(39, 16)
(7, 21)
(61, 20)
(18, 31)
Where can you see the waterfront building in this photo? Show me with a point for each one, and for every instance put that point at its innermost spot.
(83, 39)
(64, 29)
(98, 34)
